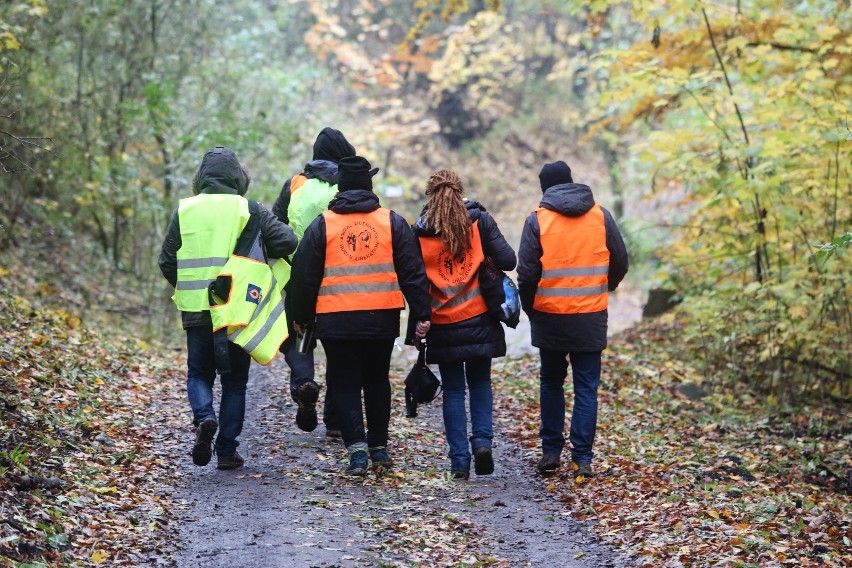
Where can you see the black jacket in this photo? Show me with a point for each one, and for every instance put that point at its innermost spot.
(481, 336)
(309, 265)
(217, 176)
(566, 332)
(323, 170)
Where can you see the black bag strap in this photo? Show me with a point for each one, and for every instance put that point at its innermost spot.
(250, 241)
(421, 360)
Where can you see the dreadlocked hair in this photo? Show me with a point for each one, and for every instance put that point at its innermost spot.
(446, 211)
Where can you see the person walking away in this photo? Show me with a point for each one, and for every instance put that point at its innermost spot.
(571, 256)
(302, 198)
(351, 271)
(455, 236)
(199, 240)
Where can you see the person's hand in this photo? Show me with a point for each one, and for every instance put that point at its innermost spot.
(421, 329)
(297, 327)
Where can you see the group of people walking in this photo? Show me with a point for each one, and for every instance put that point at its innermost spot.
(354, 267)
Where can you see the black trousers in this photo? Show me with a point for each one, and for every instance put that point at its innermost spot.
(353, 366)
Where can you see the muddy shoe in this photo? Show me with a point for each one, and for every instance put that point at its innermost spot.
(460, 474)
(306, 396)
(548, 464)
(202, 450)
(483, 461)
(357, 463)
(233, 461)
(583, 470)
(380, 458)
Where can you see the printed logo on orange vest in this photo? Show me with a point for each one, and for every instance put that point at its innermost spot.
(359, 240)
(455, 270)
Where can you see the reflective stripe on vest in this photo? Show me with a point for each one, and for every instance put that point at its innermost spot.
(210, 225)
(454, 281)
(253, 313)
(307, 201)
(359, 271)
(574, 262)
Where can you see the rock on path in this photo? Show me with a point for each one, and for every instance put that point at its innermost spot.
(292, 506)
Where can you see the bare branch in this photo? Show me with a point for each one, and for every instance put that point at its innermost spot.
(18, 152)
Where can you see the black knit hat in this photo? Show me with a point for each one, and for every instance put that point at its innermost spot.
(332, 145)
(354, 173)
(554, 174)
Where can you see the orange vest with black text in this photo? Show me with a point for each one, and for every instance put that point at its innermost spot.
(454, 280)
(574, 263)
(359, 271)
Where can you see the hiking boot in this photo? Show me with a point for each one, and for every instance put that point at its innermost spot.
(380, 458)
(233, 461)
(357, 463)
(548, 463)
(202, 450)
(582, 469)
(483, 462)
(460, 474)
(306, 395)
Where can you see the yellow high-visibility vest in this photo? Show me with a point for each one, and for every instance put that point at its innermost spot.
(253, 312)
(210, 225)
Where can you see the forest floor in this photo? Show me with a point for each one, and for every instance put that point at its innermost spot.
(292, 506)
(94, 467)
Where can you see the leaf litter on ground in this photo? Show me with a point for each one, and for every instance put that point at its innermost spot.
(93, 427)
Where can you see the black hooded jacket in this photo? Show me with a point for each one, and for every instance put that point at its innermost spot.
(222, 173)
(309, 266)
(481, 336)
(329, 148)
(566, 332)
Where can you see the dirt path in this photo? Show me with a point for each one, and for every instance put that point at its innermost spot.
(291, 506)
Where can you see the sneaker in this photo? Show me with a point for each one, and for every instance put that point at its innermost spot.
(460, 474)
(582, 470)
(202, 451)
(233, 461)
(548, 463)
(357, 463)
(380, 458)
(483, 461)
(306, 395)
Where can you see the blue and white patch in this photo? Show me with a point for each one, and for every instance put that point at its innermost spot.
(253, 294)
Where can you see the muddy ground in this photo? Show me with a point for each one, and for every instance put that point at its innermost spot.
(291, 505)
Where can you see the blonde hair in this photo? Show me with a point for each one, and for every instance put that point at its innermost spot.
(446, 211)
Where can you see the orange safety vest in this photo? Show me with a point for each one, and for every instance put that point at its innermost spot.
(574, 263)
(454, 280)
(296, 182)
(359, 271)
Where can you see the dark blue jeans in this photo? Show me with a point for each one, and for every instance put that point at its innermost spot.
(301, 371)
(477, 373)
(584, 418)
(200, 375)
